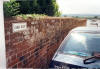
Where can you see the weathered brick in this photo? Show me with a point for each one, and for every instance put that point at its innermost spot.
(13, 62)
(20, 64)
(19, 54)
(13, 57)
(35, 46)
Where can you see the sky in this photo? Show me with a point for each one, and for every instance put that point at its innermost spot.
(79, 6)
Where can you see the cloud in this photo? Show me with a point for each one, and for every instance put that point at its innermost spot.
(79, 6)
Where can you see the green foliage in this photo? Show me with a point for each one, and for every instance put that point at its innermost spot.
(56, 9)
(29, 7)
(96, 17)
(47, 7)
(11, 8)
(25, 16)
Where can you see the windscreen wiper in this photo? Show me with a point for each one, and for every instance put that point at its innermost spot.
(92, 59)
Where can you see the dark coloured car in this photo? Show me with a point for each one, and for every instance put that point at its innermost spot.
(79, 50)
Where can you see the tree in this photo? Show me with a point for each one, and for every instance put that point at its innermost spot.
(42, 5)
(56, 10)
(24, 7)
(11, 8)
(29, 7)
(49, 7)
(95, 17)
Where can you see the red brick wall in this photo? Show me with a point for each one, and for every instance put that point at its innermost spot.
(34, 47)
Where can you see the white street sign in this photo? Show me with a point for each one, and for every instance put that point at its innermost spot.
(19, 26)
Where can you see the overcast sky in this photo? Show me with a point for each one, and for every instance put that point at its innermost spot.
(79, 6)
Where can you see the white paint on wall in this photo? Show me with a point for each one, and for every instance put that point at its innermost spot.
(2, 39)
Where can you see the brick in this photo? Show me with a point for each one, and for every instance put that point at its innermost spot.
(30, 49)
(13, 57)
(44, 37)
(25, 51)
(13, 62)
(27, 55)
(20, 64)
(15, 66)
(19, 54)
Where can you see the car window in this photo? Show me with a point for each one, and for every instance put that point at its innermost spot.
(82, 44)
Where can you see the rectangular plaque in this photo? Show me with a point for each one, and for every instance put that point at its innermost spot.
(19, 26)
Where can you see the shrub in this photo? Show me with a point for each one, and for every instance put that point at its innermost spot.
(25, 16)
(11, 8)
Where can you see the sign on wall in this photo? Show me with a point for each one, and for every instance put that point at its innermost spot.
(19, 26)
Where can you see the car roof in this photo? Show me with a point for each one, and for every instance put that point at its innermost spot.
(86, 29)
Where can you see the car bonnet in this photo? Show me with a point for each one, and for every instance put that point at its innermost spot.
(75, 60)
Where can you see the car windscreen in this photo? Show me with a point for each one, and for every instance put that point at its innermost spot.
(81, 44)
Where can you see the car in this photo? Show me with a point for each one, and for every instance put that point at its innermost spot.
(80, 49)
